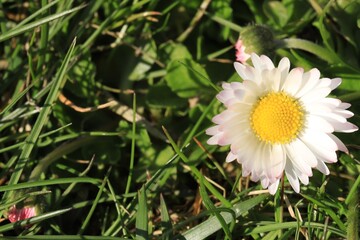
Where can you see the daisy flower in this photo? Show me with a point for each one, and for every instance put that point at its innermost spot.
(278, 120)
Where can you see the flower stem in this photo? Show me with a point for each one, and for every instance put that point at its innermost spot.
(58, 153)
(352, 202)
(311, 47)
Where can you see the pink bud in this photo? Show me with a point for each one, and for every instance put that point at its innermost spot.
(15, 214)
(241, 55)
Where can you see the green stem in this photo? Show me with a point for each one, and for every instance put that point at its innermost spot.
(44, 36)
(311, 47)
(353, 203)
(132, 155)
(58, 153)
(350, 97)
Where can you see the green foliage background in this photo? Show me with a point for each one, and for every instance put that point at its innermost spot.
(104, 106)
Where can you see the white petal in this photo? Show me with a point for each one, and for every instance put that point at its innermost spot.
(278, 161)
(296, 159)
(315, 95)
(214, 139)
(245, 72)
(345, 127)
(335, 82)
(320, 123)
(284, 65)
(256, 62)
(291, 176)
(265, 182)
(230, 157)
(320, 151)
(276, 80)
(344, 113)
(252, 88)
(303, 178)
(212, 130)
(267, 63)
(293, 81)
(322, 167)
(223, 117)
(245, 172)
(273, 187)
(341, 146)
(344, 105)
(310, 80)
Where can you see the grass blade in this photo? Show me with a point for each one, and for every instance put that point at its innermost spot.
(50, 182)
(210, 206)
(96, 201)
(165, 220)
(142, 217)
(18, 30)
(205, 229)
(42, 118)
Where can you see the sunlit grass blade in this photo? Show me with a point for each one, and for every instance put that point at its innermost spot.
(217, 89)
(36, 14)
(210, 206)
(50, 182)
(165, 220)
(33, 220)
(142, 216)
(16, 98)
(311, 47)
(132, 156)
(196, 172)
(67, 237)
(8, 204)
(224, 22)
(29, 26)
(328, 210)
(270, 226)
(21, 111)
(210, 226)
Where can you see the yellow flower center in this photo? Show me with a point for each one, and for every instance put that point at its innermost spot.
(277, 118)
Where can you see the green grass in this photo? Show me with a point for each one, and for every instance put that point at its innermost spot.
(104, 107)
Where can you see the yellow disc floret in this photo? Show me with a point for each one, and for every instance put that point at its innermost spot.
(277, 118)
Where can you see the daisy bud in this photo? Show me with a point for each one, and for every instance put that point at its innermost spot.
(17, 214)
(31, 206)
(254, 39)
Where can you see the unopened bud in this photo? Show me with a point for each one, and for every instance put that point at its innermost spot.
(254, 39)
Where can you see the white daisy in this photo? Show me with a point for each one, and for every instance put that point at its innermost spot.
(277, 120)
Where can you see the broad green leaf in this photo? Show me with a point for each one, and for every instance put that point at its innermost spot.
(170, 51)
(82, 80)
(187, 78)
(144, 61)
(222, 10)
(161, 96)
(276, 12)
